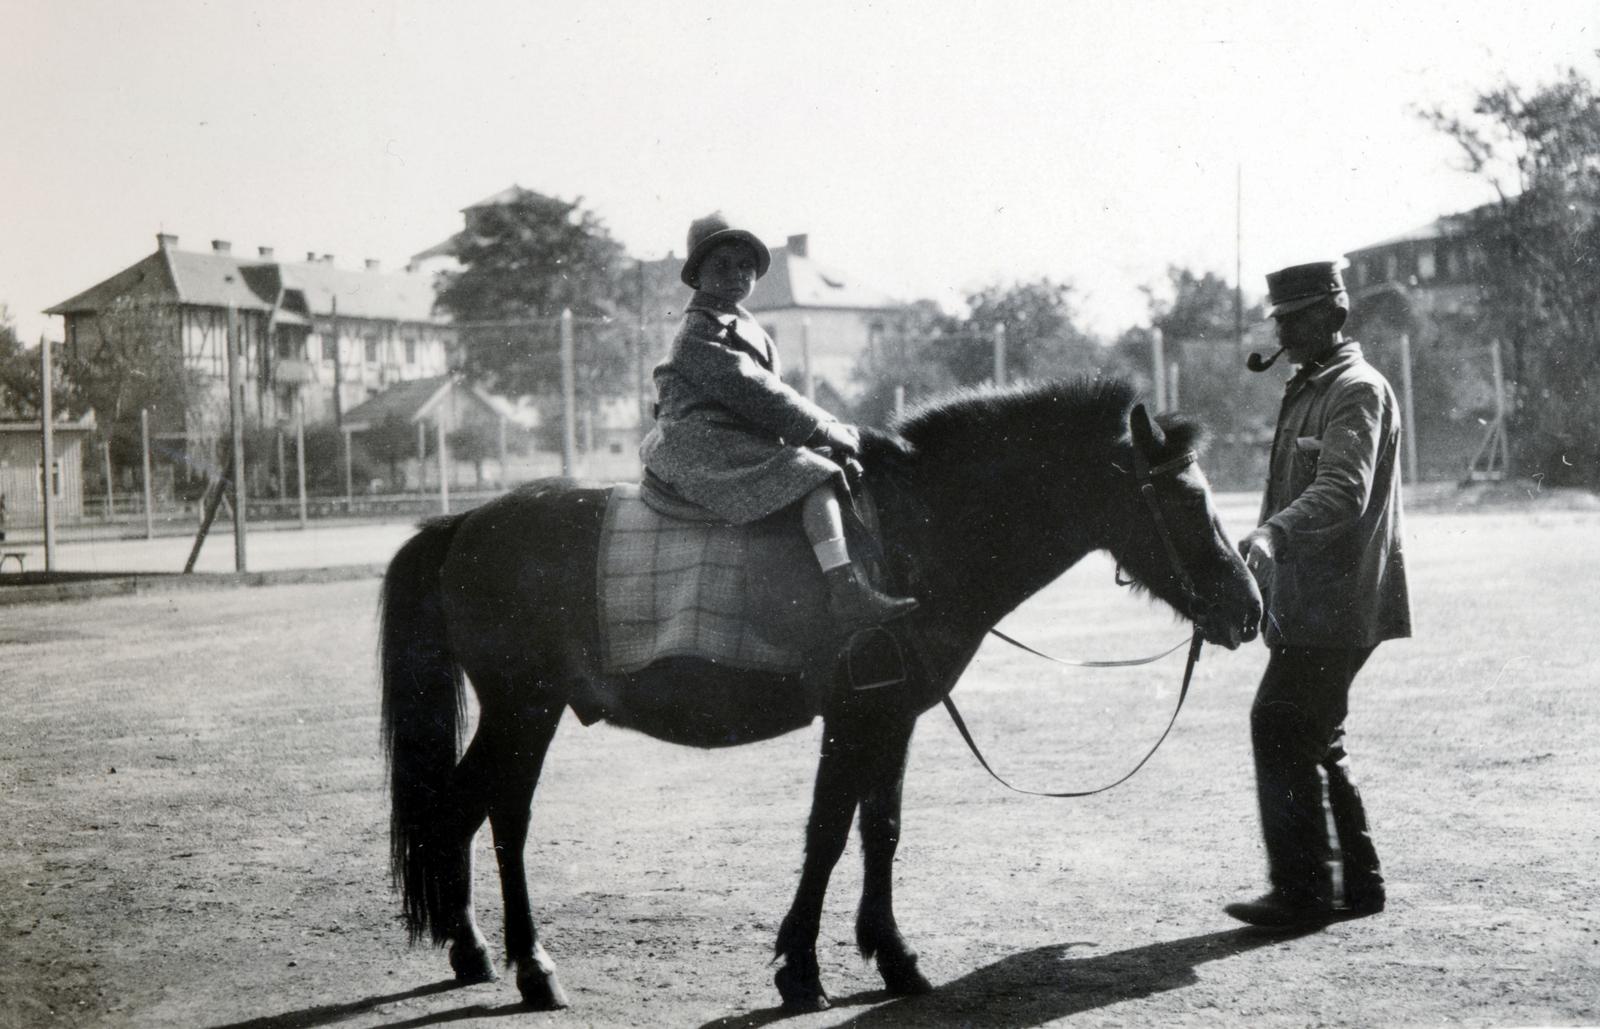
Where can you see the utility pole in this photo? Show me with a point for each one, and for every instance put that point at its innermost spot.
(1238, 257)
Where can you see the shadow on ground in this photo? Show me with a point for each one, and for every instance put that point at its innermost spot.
(1040, 985)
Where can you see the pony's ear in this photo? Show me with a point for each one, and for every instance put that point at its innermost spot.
(1147, 435)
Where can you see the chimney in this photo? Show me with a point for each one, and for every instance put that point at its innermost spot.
(311, 257)
(373, 264)
(327, 258)
(221, 246)
(166, 241)
(797, 245)
(265, 253)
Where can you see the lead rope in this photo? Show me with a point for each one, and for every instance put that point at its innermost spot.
(1195, 643)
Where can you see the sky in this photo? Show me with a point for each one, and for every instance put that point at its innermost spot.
(929, 149)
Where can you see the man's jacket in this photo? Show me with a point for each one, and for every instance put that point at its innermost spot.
(1333, 504)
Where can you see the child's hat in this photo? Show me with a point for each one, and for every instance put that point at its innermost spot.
(707, 232)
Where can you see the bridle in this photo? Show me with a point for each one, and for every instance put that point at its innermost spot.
(1144, 476)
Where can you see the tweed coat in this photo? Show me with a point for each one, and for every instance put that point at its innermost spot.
(729, 433)
(1333, 506)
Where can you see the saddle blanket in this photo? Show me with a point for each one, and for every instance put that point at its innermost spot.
(750, 595)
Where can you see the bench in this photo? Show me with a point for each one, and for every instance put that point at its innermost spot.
(7, 555)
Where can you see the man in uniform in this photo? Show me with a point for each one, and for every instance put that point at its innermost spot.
(1328, 556)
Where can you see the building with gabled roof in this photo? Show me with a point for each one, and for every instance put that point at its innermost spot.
(316, 339)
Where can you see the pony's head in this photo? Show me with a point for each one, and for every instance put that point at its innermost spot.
(1030, 478)
(1162, 528)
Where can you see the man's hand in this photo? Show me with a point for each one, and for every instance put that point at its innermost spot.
(1257, 551)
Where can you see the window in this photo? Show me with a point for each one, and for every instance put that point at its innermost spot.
(411, 351)
(1427, 267)
(1452, 262)
(1391, 267)
(372, 349)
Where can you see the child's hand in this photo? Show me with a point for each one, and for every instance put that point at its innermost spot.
(842, 438)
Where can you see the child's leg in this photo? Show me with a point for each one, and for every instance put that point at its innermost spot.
(823, 522)
(851, 598)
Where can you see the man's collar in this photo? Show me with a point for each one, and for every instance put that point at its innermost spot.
(1344, 353)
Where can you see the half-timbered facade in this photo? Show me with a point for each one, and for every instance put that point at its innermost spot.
(315, 339)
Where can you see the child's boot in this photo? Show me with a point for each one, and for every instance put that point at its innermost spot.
(855, 604)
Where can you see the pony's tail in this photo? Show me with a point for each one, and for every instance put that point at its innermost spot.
(424, 710)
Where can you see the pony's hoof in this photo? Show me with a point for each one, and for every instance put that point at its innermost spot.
(540, 987)
(471, 964)
(798, 994)
(901, 976)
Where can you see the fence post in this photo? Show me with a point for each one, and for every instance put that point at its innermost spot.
(144, 442)
(1000, 354)
(1410, 428)
(444, 466)
(569, 402)
(300, 456)
(236, 417)
(47, 445)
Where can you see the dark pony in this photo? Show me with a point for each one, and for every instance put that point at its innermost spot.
(983, 499)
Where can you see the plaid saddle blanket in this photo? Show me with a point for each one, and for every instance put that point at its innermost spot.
(750, 595)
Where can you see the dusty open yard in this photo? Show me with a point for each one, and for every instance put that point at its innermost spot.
(193, 829)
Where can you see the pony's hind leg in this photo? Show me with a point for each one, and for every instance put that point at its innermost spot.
(877, 933)
(833, 805)
(462, 810)
(523, 740)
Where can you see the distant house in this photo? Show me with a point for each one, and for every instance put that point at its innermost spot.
(316, 339)
(22, 472)
(424, 407)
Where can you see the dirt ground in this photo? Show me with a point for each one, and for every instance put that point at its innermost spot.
(193, 828)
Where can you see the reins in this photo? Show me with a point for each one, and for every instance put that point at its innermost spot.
(1143, 474)
(1195, 643)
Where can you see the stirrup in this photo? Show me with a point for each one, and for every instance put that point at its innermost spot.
(883, 677)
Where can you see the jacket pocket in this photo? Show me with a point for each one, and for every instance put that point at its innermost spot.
(1303, 462)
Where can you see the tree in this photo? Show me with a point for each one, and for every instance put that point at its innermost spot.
(1541, 152)
(19, 376)
(523, 263)
(392, 441)
(475, 442)
(125, 359)
(1041, 336)
(1200, 326)
(902, 358)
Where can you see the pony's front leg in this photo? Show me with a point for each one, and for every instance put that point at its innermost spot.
(877, 933)
(833, 804)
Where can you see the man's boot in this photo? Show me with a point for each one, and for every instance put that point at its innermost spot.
(854, 603)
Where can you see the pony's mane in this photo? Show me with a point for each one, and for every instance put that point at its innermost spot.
(1054, 412)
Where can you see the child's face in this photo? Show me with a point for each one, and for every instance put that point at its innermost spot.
(729, 271)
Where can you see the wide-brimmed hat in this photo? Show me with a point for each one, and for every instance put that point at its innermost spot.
(715, 228)
(1301, 285)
